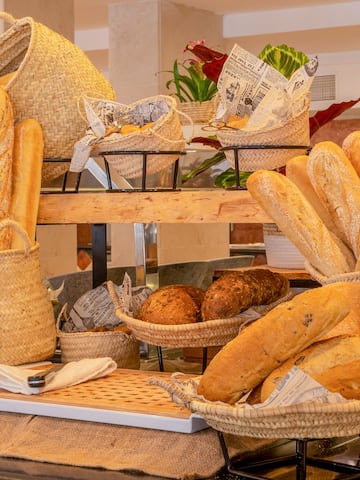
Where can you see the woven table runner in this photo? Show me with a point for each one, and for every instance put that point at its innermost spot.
(112, 447)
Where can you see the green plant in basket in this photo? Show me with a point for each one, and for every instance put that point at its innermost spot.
(189, 82)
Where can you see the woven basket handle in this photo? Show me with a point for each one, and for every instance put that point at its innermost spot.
(7, 17)
(19, 230)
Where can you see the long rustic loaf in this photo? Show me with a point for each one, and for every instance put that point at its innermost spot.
(297, 219)
(318, 361)
(6, 150)
(289, 328)
(234, 292)
(351, 147)
(26, 177)
(338, 186)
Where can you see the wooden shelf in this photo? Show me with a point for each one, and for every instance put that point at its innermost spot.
(186, 206)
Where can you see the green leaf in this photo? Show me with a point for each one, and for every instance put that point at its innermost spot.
(208, 163)
(285, 59)
(227, 179)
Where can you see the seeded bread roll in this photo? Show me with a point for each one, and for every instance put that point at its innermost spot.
(172, 305)
(351, 147)
(235, 292)
(338, 186)
(297, 219)
(286, 330)
(318, 361)
(6, 150)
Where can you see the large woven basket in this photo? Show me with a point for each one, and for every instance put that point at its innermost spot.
(306, 420)
(294, 133)
(165, 135)
(212, 333)
(323, 280)
(196, 112)
(27, 323)
(51, 75)
(122, 347)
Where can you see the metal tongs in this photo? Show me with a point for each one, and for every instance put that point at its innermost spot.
(40, 379)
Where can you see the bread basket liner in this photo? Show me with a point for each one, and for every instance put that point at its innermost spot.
(165, 135)
(51, 74)
(123, 348)
(305, 420)
(324, 280)
(294, 132)
(212, 333)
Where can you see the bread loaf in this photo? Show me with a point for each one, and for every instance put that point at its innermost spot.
(297, 219)
(235, 292)
(318, 361)
(6, 151)
(26, 177)
(172, 305)
(265, 344)
(338, 186)
(351, 147)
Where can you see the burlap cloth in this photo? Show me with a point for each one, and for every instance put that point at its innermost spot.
(113, 447)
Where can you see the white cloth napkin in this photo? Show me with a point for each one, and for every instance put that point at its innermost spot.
(14, 379)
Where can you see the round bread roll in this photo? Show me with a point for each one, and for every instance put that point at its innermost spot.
(173, 305)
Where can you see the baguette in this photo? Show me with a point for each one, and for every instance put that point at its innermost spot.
(6, 150)
(26, 178)
(297, 219)
(318, 361)
(286, 330)
(338, 186)
(351, 147)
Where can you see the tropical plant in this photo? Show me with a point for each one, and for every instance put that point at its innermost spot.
(190, 82)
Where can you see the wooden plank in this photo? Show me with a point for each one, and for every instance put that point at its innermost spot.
(187, 206)
(290, 273)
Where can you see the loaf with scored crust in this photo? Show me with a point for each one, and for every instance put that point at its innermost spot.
(262, 346)
(297, 219)
(351, 147)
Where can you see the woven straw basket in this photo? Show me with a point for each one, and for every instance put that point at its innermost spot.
(295, 132)
(306, 420)
(196, 112)
(51, 75)
(165, 135)
(27, 323)
(123, 348)
(212, 333)
(323, 280)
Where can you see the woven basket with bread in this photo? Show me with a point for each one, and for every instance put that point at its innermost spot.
(309, 332)
(186, 316)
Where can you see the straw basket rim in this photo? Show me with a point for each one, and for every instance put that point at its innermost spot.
(324, 280)
(305, 420)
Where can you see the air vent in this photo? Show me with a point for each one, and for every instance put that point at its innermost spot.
(323, 88)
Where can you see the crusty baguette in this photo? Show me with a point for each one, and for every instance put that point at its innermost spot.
(343, 379)
(316, 361)
(6, 150)
(338, 186)
(297, 219)
(262, 346)
(351, 147)
(26, 178)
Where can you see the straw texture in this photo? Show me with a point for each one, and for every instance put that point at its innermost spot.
(306, 420)
(123, 348)
(51, 75)
(196, 112)
(165, 135)
(324, 280)
(294, 132)
(27, 324)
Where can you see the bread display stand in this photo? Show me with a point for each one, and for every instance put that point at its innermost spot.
(177, 206)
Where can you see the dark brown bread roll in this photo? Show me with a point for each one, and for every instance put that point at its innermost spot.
(173, 305)
(235, 292)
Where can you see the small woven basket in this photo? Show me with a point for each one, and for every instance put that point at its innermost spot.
(196, 112)
(122, 347)
(165, 135)
(306, 420)
(51, 74)
(212, 333)
(294, 133)
(27, 323)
